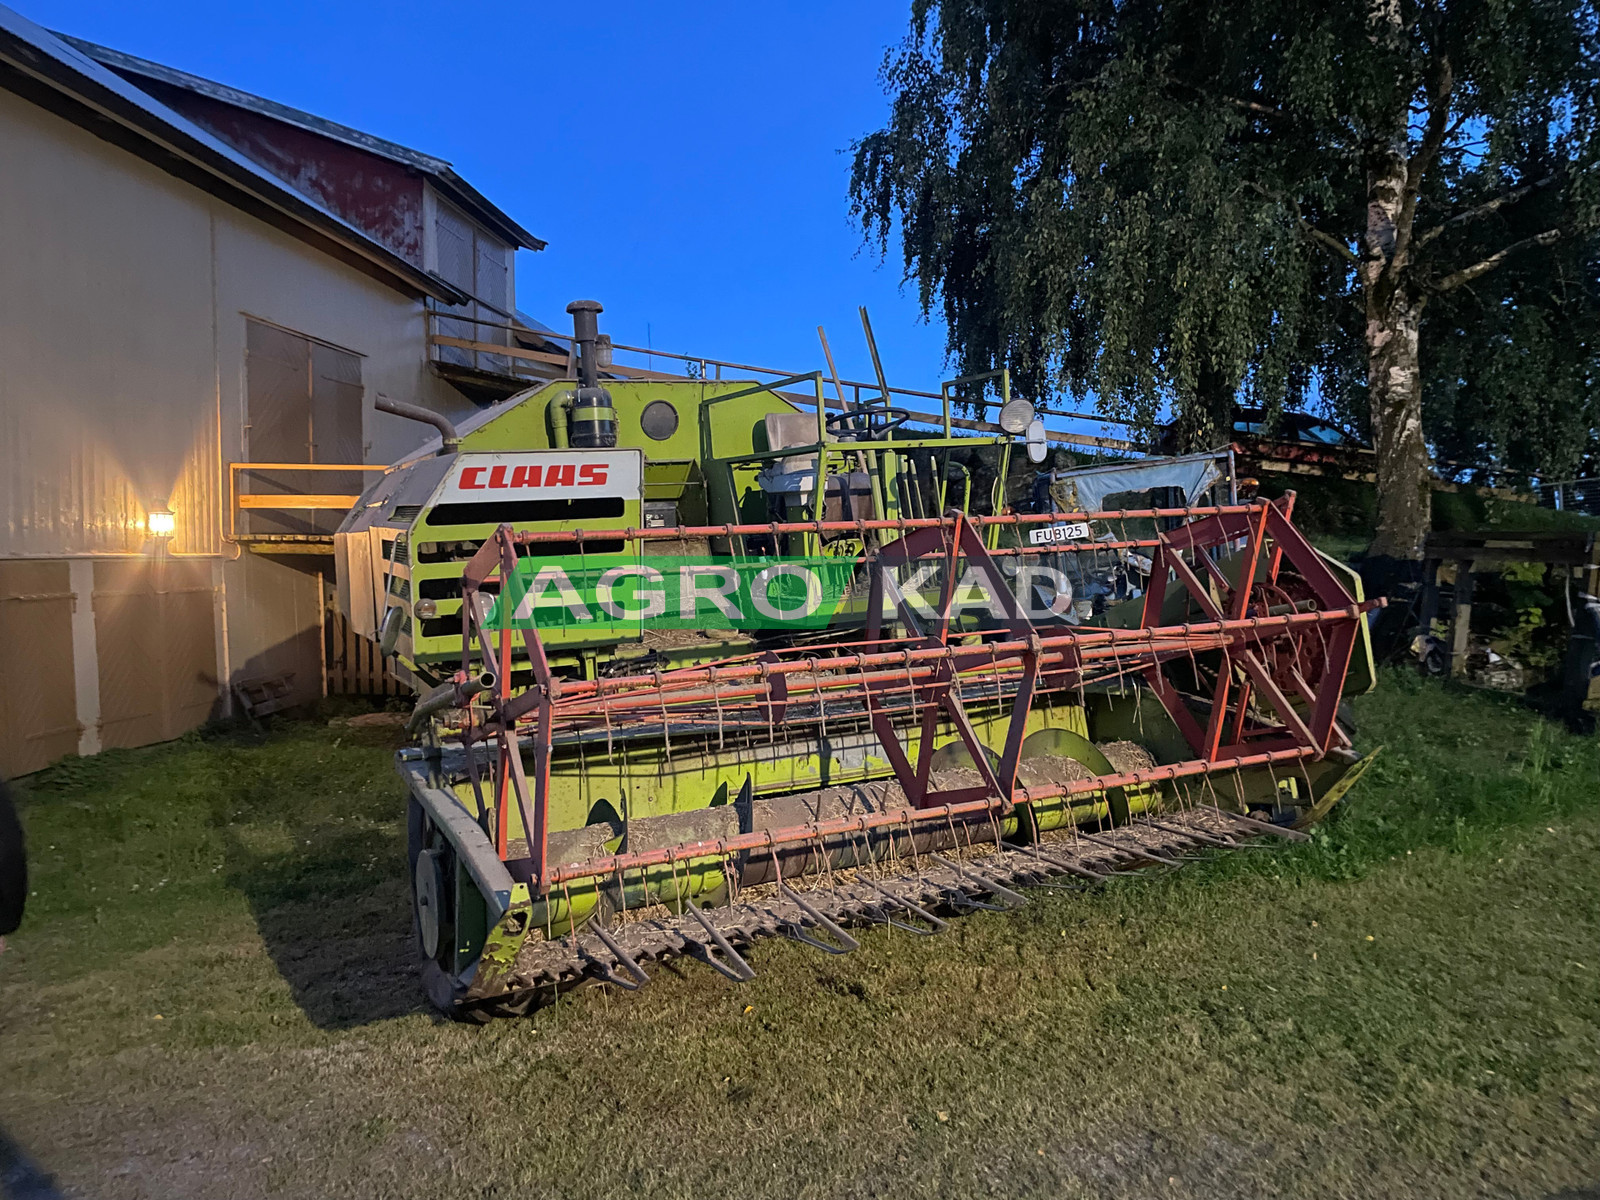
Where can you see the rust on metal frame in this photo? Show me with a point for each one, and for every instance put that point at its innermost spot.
(921, 680)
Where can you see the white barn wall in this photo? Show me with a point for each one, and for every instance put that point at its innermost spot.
(124, 294)
(266, 274)
(107, 369)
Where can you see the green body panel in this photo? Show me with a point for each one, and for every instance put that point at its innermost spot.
(642, 782)
(708, 467)
(676, 468)
(591, 789)
(644, 795)
(646, 780)
(525, 425)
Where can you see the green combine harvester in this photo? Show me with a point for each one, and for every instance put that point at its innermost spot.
(702, 661)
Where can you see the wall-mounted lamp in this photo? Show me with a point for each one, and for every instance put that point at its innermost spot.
(160, 521)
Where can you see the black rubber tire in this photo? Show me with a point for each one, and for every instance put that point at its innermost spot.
(436, 982)
(13, 865)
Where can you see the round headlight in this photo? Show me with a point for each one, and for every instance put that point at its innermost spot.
(425, 610)
(1015, 415)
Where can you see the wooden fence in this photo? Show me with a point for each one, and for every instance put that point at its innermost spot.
(352, 664)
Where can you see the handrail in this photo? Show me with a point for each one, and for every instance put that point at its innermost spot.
(1003, 375)
(857, 385)
(705, 362)
(1088, 441)
(324, 501)
(902, 525)
(820, 482)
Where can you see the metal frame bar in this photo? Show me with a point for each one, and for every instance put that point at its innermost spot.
(902, 525)
(723, 848)
(921, 679)
(705, 363)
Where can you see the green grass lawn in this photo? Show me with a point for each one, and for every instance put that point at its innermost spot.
(213, 996)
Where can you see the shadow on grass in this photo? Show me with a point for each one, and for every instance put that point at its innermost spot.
(328, 893)
(20, 1177)
(348, 961)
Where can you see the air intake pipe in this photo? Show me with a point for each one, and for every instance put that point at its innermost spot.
(591, 420)
(451, 440)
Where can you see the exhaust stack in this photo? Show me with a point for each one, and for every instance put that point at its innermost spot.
(591, 421)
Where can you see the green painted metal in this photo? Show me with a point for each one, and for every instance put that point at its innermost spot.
(590, 784)
(642, 782)
(707, 465)
(602, 798)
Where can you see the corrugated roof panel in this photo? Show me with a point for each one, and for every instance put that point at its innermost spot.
(440, 169)
(44, 56)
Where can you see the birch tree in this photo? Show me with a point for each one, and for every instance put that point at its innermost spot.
(1182, 205)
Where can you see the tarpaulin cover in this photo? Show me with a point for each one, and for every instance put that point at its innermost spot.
(1194, 473)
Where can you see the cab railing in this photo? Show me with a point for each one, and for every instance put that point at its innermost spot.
(243, 500)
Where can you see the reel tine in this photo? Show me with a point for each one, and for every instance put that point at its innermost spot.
(1008, 898)
(844, 942)
(935, 924)
(623, 957)
(731, 965)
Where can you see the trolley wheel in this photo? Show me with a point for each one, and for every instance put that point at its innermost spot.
(427, 891)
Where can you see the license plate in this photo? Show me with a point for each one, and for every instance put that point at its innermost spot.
(1071, 531)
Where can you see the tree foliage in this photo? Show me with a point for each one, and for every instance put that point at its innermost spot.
(1513, 370)
(1181, 204)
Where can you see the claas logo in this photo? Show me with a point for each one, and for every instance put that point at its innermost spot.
(533, 475)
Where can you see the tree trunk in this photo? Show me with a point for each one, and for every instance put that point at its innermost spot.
(1394, 391)
(1394, 376)
(1206, 420)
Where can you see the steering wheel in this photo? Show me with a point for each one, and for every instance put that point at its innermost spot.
(866, 424)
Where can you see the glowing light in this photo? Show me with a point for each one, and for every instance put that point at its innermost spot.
(160, 522)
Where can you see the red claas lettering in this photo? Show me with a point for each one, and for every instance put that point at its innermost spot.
(532, 475)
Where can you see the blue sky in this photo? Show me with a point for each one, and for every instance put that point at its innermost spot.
(686, 163)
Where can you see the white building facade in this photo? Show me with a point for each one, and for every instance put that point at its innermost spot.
(171, 312)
